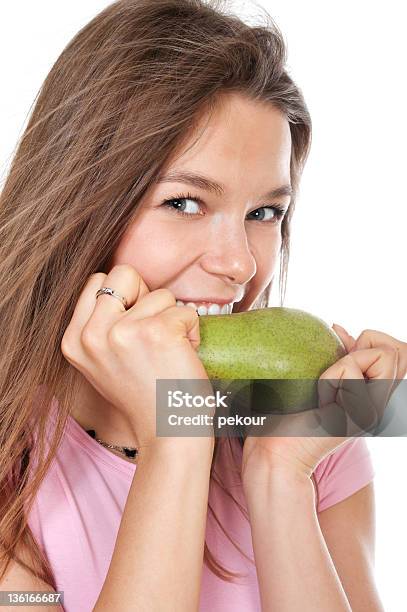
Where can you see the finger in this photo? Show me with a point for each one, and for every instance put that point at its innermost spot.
(379, 364)
(152, 304)
(85, 304)
(375, 363)
(363, 404)
(329, 381)
(185, 321)
(342, 395)
(128, 283)
(347, 339)
(371, 338)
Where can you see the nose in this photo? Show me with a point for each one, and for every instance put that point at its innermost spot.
(228, 254)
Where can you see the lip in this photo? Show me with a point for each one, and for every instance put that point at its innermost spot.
(207, 300)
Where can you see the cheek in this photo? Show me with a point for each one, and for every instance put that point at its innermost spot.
(155, 252)
(266, 268)
(266, 250)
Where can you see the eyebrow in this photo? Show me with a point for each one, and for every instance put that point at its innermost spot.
(208, 184)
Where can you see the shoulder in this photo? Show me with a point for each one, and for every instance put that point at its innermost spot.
(343, 472)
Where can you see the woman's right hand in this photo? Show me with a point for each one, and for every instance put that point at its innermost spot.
(122, 352)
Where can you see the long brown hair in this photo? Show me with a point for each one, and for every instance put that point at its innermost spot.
(123, 94)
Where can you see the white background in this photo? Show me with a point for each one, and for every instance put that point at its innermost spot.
(348, 250)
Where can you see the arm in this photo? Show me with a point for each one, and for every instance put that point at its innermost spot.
(294, 567)
(157, 560)
(348, 528)
(18, 578)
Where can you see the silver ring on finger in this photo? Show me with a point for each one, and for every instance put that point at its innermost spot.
(113, 293)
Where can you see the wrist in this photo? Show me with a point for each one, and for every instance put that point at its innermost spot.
(275, 475)
(279, 488)
(261, 462)
(174, 448)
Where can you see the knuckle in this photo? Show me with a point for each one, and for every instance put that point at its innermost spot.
(347, 359)
(153, 330)
(118, 335)
(126, 268)
(367, 332)
(188, 310)
(130, 273)
(96, 275)
(167, 294)
(386, 349)
(90, 339)
(193, 314)
(70, 350)
(67, 348)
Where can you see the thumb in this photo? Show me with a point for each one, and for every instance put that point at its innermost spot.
(348, 340)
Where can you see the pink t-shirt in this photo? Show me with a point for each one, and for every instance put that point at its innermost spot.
(77, 512)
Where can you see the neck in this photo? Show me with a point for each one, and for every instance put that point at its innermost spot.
(92, 411)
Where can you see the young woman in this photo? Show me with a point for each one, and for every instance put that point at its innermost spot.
(161, 163)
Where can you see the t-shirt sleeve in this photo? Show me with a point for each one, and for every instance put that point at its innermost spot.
(343, 472)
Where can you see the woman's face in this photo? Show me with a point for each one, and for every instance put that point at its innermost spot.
(228, 246)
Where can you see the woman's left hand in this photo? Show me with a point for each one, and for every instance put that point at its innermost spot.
(374, 355)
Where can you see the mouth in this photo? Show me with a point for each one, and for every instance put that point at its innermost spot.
(208, 308)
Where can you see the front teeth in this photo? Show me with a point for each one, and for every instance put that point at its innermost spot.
(214, 309)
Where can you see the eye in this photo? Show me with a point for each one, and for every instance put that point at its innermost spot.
(177, 205)
(276, 211)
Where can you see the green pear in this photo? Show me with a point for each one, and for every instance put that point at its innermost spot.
(282, 351)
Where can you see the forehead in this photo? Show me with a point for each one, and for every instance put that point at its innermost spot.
(243, 138)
